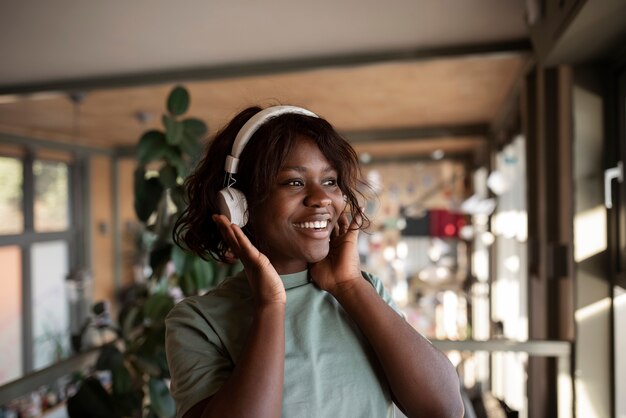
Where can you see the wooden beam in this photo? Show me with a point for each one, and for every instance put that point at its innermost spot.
(267, 67)
(51, 144)
(459, 156)
(417, 133)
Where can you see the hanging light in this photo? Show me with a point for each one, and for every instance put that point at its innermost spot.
(497, 183)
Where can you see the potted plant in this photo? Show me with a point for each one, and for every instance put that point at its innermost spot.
(136, 361)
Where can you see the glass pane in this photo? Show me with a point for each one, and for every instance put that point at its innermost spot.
(11, 179)
(49, 303)
(51, 196)
(11, 314)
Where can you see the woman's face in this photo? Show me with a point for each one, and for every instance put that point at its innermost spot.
(295, 222)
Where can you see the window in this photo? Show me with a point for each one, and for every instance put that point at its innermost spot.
(49, 267)
(51, 196)
(37, 250)
(11, 313)
(11, 196)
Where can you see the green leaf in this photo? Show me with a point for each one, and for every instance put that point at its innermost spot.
(151, 146)
(174, 130)
(179, 257)
(157, 306)
(161, 359)
(122, 380)
(226, 270)
(148, 366)
(132, 319)
(173, 156)
(178, 101)
(202, 272)
(178, 197)
(194, 131)
(195, 128)
(161, 401)
(147, 194)
(160, 255)
(168, 175)
(194, 273)
(187, 284)
(164, 222)
(110, 358)
(192, 148)
(154, 337)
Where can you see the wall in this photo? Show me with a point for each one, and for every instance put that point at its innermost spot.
(101, 227)
(592, 361)
(128, 223)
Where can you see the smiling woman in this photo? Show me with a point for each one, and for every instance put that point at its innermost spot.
(302, 331)
(261, 163)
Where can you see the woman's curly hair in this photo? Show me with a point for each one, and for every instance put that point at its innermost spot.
(259, 163)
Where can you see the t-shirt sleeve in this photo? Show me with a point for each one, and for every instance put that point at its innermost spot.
(198, 363)
(380, 289)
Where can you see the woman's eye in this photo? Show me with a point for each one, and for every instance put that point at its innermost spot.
(294, 182)
(330, 182)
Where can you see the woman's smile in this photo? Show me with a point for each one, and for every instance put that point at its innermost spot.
(320, 225)
(315, 230)
(317, 225)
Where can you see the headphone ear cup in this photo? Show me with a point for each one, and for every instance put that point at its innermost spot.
(232, 204)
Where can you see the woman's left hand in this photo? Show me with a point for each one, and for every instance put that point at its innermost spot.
(341, 267)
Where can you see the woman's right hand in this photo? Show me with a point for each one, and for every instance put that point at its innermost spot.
(266, 285)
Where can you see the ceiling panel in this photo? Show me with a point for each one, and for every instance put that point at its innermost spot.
(438, 92)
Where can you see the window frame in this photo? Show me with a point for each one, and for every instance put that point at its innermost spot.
(74, 236)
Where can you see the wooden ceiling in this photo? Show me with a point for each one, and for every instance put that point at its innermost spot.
(411, 96)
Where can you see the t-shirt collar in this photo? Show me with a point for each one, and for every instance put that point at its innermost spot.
(295, 279)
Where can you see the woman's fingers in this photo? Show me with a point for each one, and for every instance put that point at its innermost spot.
(343, 223)
(340, 227)
(236, 239)
(336, 232)
(247, 250)
(344, 228)
(351, 228)
(263, 278)
(243, 241)
(228, 234)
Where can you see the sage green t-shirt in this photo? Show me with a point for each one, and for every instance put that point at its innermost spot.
(330, 370)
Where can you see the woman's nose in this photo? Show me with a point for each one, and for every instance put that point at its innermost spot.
(317, 197)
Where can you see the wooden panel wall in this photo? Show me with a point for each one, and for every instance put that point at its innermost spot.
(101, 222)
(128, 222)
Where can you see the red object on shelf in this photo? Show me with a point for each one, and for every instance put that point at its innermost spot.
(445, 224)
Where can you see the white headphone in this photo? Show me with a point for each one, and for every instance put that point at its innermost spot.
(232, 202)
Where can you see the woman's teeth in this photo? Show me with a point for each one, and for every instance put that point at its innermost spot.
(313, 225)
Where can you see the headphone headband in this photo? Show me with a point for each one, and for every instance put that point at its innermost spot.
(252, 125)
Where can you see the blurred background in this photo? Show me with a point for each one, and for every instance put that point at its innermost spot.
(493, 134)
